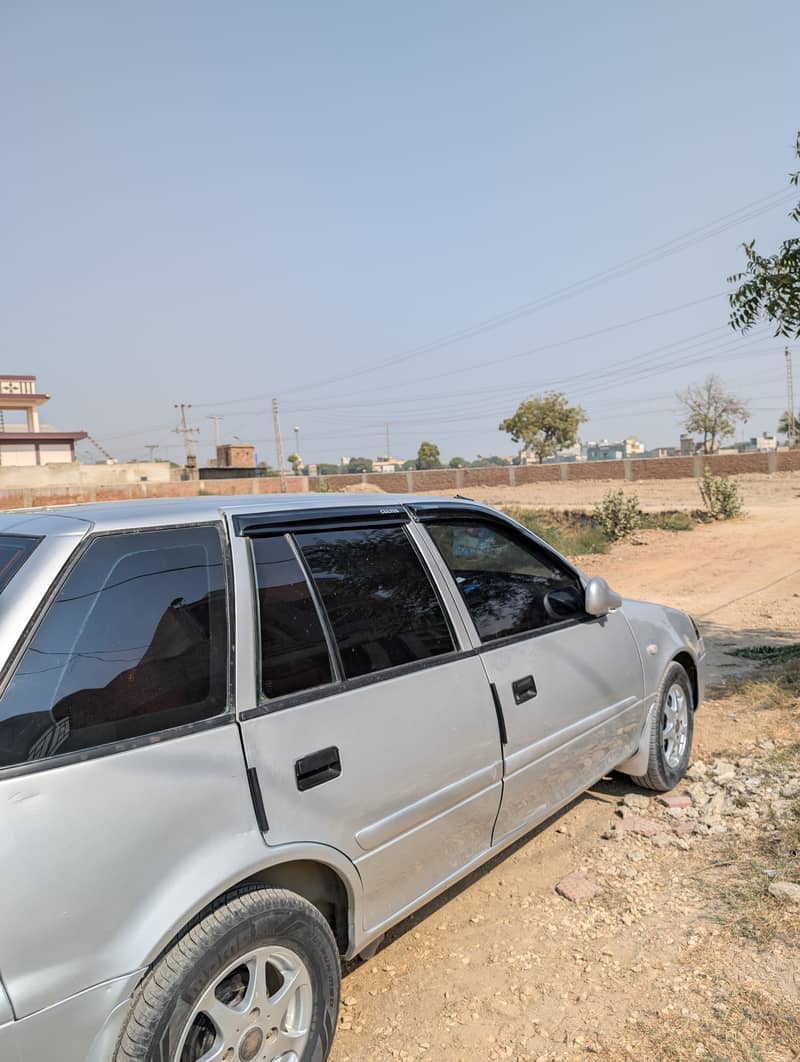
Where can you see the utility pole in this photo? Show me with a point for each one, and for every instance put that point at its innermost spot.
(388, 451)
(216, 417)
(791, 434)
(296, 431)
(276, 424)
(187, 433)
(152, 447)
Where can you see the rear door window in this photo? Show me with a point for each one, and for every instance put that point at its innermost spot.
(294, 653)
(379, 600)
(134, 643)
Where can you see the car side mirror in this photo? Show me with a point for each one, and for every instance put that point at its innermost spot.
(600, 598)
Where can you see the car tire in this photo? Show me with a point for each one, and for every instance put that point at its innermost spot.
(671, 733)
(259, 974)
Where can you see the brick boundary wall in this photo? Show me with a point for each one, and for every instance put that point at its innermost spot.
(455, 479)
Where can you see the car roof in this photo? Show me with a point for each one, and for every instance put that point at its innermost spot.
(161, 512)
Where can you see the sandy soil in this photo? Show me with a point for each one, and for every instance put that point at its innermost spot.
(769, 493)
(501, 967)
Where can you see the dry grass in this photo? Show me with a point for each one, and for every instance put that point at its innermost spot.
(779, 687)
(733, 1006)
(746, 1024)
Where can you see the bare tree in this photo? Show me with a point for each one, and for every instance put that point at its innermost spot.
(712, 412)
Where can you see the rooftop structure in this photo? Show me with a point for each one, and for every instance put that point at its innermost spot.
(28, 443)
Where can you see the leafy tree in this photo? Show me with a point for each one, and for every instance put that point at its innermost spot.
(359, 464)
(457, 462)
(428, 456)
(711, 411)
(545, 423)
(409, 466)
(783, 425)
(327, 470)
(770, 285)
(296, 461)
(485, 462)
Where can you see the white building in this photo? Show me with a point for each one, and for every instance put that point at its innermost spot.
(30, 443)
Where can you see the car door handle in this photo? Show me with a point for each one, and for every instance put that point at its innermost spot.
(317, 767)
(524, 689)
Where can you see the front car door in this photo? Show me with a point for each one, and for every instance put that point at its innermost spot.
(372, 730)
(570, 686)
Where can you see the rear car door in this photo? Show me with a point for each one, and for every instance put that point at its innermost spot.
(570, 686)
(372, 731)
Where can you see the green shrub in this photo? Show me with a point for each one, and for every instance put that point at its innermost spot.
(678, 522)
(675, 521)
(720, 495)
(618, 515)
(571, 534)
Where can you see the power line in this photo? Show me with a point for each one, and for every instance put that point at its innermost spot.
(673, 246)
(679, 243)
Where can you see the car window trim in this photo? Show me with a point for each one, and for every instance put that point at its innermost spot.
(227, 714)
(112, 748)
(335, 689)
(329, 518)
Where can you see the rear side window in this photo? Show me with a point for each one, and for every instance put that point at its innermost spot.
(134, 643)
(381, 605)
(294, 653)
(508, 585)
(13, 554)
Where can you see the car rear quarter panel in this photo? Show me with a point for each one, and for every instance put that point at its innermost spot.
(102, 858)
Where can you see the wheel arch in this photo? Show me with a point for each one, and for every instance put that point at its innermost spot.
(324, 878)
(689, 665)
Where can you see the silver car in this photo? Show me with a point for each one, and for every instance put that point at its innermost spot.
(239, 739)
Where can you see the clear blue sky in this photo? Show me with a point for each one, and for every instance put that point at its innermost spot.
(221, 202)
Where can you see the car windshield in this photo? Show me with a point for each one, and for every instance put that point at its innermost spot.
(13, 554)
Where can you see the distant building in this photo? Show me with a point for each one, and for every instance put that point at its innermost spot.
(236, 455)
(31, 443)
(662, 451)
(603, 450)
(569, 453)
(758, 444)
(688, 445)
(387, 464)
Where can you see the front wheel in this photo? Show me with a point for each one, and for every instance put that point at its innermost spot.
(671, 732)
(256, 980)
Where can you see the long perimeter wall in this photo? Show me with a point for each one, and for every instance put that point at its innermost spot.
(443, 479)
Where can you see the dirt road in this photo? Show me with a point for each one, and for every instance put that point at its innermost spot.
(502, 967)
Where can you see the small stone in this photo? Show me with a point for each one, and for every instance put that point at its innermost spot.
(350, 1001)
(661, 840)
(683, 829)
(785, 890)
(640, 825)
(636, 801)
(676, 800)
(697, 771)
(723, 771)
(578, 886)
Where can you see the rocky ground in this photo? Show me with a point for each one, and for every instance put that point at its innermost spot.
(687, 943)
(631, 926)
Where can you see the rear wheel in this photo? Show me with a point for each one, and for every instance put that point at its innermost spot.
(256, 980)
(671, 732)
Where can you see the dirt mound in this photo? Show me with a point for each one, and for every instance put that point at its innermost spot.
(362, 488)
